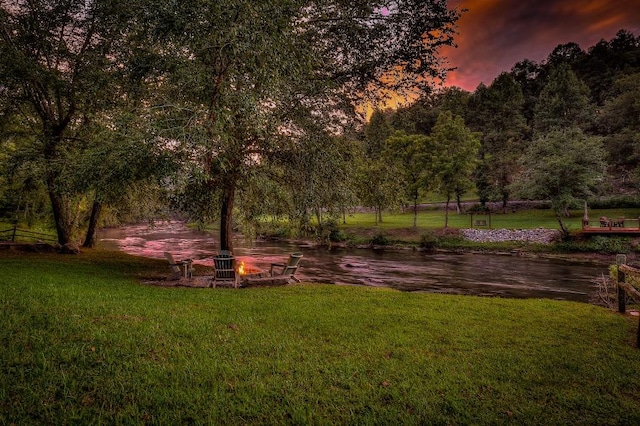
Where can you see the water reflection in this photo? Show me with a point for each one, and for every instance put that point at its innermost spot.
(406, 270)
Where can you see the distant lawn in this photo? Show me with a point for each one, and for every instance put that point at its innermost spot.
(523, 219)
(82, 341)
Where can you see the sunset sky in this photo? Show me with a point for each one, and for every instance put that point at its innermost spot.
(495, 34)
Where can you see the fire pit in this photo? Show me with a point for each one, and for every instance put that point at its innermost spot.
(247, 272)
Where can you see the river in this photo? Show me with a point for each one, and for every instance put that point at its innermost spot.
(406, 270)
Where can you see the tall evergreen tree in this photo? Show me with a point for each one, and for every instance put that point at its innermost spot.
(531, 77)
(619, 123)
(564, 102)
(608, 61)
(376, 133)
(503, 129)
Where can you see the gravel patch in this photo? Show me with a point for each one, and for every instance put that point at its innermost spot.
(540, 235)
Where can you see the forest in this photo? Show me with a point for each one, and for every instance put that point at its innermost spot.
(115, 112)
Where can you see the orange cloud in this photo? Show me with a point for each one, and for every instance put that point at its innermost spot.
(495, 34)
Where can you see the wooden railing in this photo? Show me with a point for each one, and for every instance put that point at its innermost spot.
(625, 289)
(16, 234)
(619, 223)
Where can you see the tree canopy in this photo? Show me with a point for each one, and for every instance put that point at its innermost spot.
(452, 157)
(241, 109)
(248, 93)
(563, 166)
(64, 66)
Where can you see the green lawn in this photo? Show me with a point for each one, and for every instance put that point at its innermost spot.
(83, 341)
(524, 219)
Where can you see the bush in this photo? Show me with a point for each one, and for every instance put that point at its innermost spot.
(380, 240)
(597, 244)
(477, 208)
(610, 244)
(618, 202)
(330, 231)
(429, 241)
(451, 240)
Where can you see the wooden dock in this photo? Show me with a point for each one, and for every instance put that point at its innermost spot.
(611, 226)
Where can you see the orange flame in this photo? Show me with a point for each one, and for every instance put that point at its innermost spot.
(241, 268)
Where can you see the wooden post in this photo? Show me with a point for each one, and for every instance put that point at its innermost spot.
(13, 237)
(621, 259)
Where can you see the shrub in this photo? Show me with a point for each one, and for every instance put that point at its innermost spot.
(429, 241)
(597, 244)
(618, 202)
(477, 208)
(330, 231)
(380, 240)
(610, 244)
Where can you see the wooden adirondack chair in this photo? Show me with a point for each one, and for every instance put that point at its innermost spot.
(225, 272)
(289, 269)
(181, 268)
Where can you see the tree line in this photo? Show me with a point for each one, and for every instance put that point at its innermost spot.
(562, 130)
(204, 105)
(237, 110)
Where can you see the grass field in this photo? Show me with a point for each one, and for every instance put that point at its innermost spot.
(523, 219)
(84, 342)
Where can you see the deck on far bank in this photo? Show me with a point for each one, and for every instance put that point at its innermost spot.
(610, 226)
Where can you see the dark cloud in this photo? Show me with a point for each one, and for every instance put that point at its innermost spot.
(495, 34)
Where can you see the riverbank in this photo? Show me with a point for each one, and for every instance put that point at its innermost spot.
(522, 229)
(90, 342)
(532, 243)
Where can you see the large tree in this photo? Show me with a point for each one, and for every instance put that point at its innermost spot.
(619, 122)
(564, 102)
(498, 115)
(452, 157)
(379, 184)
(531, 77)
(563, 166)
(247, 76)
(62, 63)
(410, 152)
(120, 155)
(376, 133)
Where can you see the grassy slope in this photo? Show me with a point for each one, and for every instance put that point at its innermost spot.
(82, 341)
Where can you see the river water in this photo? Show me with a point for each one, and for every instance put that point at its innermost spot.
(407, 270)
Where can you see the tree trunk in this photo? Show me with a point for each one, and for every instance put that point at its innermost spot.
(458, 204)
(226, 216)
(415, 212)
(92, 230)
(563, 228)
(505, 201)
(61, 217)
(59, 202)
(446, 213)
